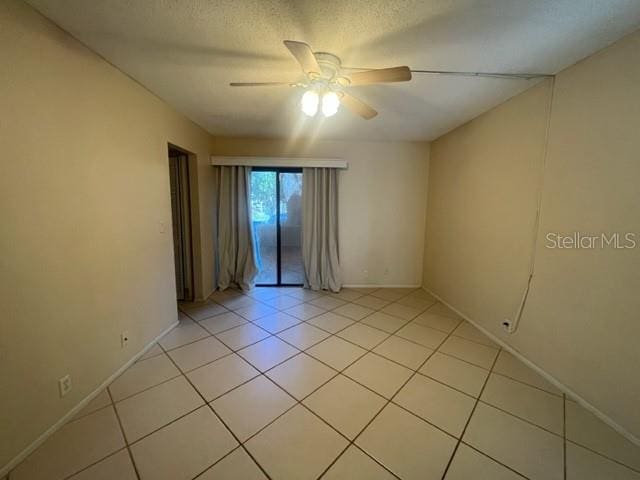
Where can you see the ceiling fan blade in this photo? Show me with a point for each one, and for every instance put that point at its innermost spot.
(382, 75)
(358, 106)
(259, 84)
(508, 76)
(304, 56)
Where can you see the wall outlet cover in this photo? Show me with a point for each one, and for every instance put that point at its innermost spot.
(64, 385)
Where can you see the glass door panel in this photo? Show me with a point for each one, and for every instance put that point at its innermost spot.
(291, 268)
(265, 229)
(276, 213)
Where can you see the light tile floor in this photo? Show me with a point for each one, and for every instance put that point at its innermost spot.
(286, 383)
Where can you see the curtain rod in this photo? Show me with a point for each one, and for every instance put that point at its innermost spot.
(299, 162)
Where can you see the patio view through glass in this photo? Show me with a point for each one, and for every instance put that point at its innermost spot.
(276, 213)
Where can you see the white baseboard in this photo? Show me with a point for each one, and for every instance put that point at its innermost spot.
(375, 285)
(75, 410)
(547, 376)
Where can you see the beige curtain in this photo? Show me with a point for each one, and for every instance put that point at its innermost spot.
(320, 229)
(181, 221)
(236, 261)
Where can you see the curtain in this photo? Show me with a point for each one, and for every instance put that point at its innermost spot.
(320, 229)
(236, 259)
(181, 221)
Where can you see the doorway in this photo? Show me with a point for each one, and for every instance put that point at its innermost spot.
(181, 222)
(276, 213)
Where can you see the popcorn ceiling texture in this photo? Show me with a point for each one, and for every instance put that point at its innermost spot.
(187, 52)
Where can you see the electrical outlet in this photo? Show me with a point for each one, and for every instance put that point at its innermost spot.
(386, 272)
(161, 227)
(507, 326)
(124, 339)
(64, 385)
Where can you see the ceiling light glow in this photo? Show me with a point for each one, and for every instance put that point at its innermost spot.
(330, 104)
(310, 101)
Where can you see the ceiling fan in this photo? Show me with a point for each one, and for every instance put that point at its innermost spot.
(326, 80)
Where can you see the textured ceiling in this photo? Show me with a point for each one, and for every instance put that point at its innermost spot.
(187, 52)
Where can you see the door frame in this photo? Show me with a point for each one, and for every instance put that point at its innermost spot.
(278, 171)
(184, 207)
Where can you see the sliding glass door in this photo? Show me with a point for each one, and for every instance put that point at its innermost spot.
(264, 215)
(276, 212)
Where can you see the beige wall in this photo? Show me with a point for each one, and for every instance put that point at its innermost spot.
(580, 323)
(382, 199)
(84, 186)
(484, 182)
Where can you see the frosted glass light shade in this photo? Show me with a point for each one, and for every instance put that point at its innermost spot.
(310, 101)
(330, 104)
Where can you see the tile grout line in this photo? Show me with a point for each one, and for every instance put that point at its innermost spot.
(229, 453)
(567, 440)
(633, 469)
(299, 402)
(389, 401)
(167, 380)
(493, 459)
(450, 334)
(87, 467)
(180, 417)
(86, 415)
(473, 411)
(522, 419)
(374, 310)
(126, 446)
(302, 405)
(302, 301)
(300, 320)
(232, 351)
(350, 443)
(527, 384)
(124, 436)
(366, 351)
(263, 374)
(339, 372)
(304, 350)
(207, 404)
(330, 334)
(370, 350)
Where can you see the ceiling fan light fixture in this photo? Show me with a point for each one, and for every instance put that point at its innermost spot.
(323, 75)
(310, 101)
(330, 104)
